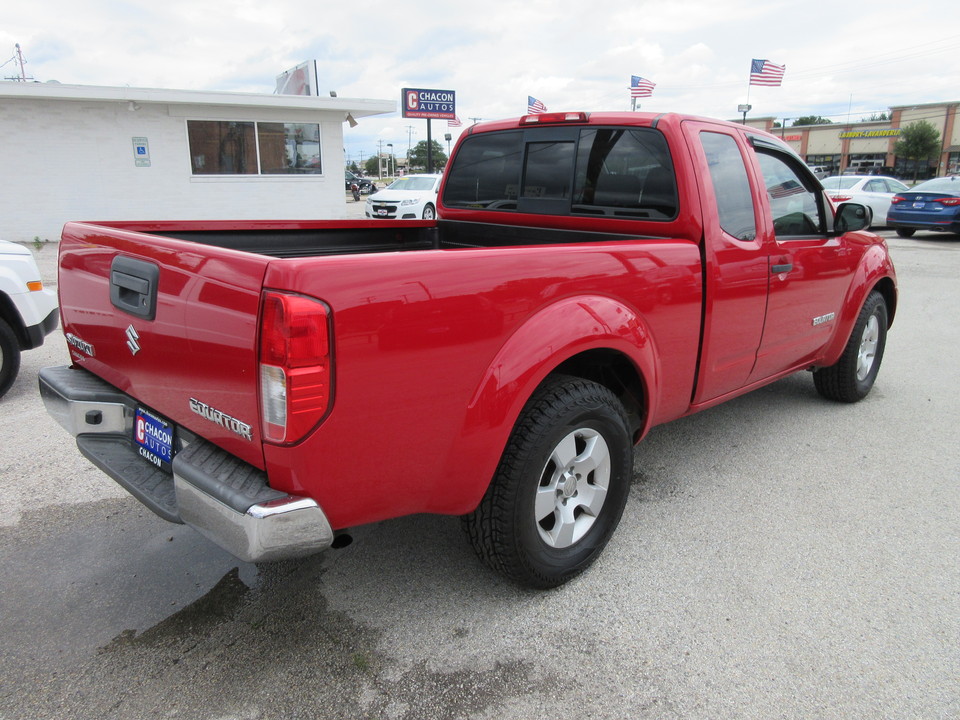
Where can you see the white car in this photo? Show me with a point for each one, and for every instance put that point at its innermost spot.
(412, 197)
(875, 191)
(28, 311)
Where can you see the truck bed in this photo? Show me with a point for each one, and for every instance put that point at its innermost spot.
(309, 239)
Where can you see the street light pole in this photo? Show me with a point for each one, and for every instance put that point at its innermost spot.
(390, 159)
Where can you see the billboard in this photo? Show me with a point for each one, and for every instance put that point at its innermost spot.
(301, 80)
(430, 104)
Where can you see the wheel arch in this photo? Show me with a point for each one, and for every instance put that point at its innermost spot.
(875, 272)
(595, 338)
(10, 314)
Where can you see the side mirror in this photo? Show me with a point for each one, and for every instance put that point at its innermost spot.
(852, 216)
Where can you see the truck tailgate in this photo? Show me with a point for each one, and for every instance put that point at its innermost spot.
(171, 323)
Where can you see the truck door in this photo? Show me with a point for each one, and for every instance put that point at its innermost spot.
(735, 260)
(809, 270)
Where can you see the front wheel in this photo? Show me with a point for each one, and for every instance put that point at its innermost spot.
(853, 375)
(429, 213)
(560, 488)
(905, 232)
(9, 357)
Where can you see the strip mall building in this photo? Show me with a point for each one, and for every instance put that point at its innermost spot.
(867, 147)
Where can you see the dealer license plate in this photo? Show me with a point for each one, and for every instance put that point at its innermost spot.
(918, 206)
(153, 438)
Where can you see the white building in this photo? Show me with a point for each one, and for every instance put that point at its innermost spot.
(72, 152)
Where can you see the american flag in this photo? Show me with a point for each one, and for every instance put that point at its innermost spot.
(534, 106)
(455, 122)
(764, 72)
(641, 87)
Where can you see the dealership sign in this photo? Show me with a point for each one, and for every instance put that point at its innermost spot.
(430, 104)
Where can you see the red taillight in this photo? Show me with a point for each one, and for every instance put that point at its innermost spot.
(842, 198)
(552, 118)
(295, 365)
(949, 202)
(897, 199)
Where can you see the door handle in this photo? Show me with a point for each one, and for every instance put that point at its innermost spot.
(784, 268)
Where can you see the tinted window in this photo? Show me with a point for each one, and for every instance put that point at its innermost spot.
(486, 172)
(617, 172)
(793, 207)
(624, 172)
(220, 147)
(549, 170)
(731, 187)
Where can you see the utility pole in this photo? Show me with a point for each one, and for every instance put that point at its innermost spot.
(410, 133)
(18, 57)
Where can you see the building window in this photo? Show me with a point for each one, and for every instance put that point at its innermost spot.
(248, 148)
(953, 163)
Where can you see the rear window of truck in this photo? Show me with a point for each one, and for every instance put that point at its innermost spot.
(615, 172)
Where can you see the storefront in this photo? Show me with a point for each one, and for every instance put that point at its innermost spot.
(868, 147)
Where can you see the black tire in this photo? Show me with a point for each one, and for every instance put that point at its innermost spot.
(853, 376)
(542, 522)
(9, 357)
(905, 232)
(429, 213)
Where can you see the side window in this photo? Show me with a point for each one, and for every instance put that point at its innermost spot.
(731, 187)
(624, 173)
(876, 186)
(486, 172)
(793, 206)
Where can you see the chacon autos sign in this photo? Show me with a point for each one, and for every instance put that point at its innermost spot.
(430, 104)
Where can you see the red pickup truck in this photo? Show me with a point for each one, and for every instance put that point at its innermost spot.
(274, 384)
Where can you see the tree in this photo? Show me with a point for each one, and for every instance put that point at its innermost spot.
(418, 155)
(811, 120)
(919, 141)
(372, 166)
(876, 117)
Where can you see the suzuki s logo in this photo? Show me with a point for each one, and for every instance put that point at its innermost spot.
(132, 340)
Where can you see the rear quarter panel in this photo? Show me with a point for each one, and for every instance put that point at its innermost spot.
(437, 351)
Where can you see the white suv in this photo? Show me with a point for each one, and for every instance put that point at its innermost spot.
(28, 312)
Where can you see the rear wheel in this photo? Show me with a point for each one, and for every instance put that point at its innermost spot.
(560, 488)
(905, 232)
(9, 357)
(854, 374)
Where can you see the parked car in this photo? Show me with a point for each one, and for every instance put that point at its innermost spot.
(931, 205)
(413, 197)
(366, 184)
(870, 190)
(28, 311)
(820, 171)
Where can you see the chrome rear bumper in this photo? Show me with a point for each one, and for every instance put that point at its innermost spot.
(222, 497)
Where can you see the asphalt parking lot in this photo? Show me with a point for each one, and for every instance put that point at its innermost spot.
(780, 557)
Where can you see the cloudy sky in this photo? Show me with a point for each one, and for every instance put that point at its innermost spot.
(843, 59)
